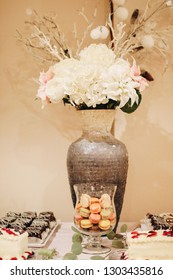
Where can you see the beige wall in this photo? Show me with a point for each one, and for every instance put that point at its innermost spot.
(34, 142)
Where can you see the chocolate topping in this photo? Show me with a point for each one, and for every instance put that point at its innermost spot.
(27, 221)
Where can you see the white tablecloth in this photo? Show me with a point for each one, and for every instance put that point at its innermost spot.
(61, 240)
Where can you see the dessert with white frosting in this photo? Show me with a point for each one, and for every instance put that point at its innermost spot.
(13, 244)
(151, 245)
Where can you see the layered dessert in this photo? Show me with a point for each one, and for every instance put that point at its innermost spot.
(13, 244)
(156, 222)
(151, 245)
(37, 226)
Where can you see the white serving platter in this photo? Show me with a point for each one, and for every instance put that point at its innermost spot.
(45, 240)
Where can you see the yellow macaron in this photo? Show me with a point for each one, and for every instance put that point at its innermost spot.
(104, 224)
(85, 223)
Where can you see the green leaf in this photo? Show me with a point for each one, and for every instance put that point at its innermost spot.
(70, 256)
(118, 236)
(97, 258)
(76, 248)
(77, 237)
(111, 235)
(75, 229)
(127, 108)
(123, 228)
(117, 244)
(47, 253)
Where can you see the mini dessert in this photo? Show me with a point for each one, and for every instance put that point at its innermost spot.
(94, 218)
(13, 244)
(85, 200)
(105, 213)
(8, 220)
(23, 221)
(18, 225)
(78, 206)
(95, 208)
(84, 212)
(104, 224)
(78, 218)
(36, 234)
(152, 245)
(156, 222)
(48, 216)
(13, 214)
(112, 218)
(105, 201)
(40, 223)
(85, 223)
(3, 223)
(94, 200)
(31, 215)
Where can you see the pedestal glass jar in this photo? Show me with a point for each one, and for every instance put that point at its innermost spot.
(95, 214)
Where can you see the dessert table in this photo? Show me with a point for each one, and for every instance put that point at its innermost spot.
(61, 240)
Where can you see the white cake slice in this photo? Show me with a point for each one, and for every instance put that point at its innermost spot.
(152, 245)
(13, 244)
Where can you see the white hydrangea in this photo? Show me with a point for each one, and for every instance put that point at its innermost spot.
(55, 89)
(93, 79)
(97, 54)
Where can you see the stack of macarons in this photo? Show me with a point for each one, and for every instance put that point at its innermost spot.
(95, 213)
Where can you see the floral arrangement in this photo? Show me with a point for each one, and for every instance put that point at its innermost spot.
(104, 74)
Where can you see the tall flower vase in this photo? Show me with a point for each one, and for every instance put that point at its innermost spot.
(97, 156)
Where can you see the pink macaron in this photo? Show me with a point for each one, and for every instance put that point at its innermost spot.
(94, 218)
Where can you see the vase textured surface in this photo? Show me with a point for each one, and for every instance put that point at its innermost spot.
(97, 156)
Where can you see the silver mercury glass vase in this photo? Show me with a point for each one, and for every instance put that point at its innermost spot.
(97, 156)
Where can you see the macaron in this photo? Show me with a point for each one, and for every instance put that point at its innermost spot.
(105, 214)
(112, 216)
(94, 218)
(95, 208)
(78, 206)
(85, 200)
(84, 212)
(94, 200)
(85, 223)
(78, 217)
(104, 224)
(113, 222)
(105, 200)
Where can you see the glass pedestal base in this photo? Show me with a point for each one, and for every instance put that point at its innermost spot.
(94, 246)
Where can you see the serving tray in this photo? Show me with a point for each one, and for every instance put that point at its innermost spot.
(46, 239)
